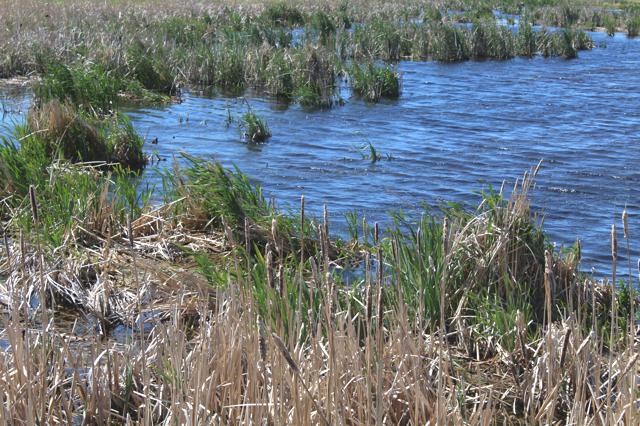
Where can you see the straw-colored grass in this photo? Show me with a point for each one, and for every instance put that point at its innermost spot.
(216, 308)
(226, 327)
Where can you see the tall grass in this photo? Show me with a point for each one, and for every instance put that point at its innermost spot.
(470, 320)
(65, 132)
(93, 88)
(255, 128)
(373, 83)
(106, 54)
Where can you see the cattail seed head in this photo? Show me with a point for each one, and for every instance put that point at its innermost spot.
(281, 280)
(614, 242)
(285, 352)
(34, 204)
(326, 221)
(380, 307)
(367, 267)
(376, 233)
(625, 223)
(269, 265)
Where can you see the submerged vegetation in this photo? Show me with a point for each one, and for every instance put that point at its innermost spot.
(215, 306)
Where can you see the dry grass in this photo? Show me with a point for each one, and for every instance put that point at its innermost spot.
(217, 309)
(204, 353)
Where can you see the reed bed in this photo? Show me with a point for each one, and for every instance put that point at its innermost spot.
(217, 308)
(234, 313)
(294, 51)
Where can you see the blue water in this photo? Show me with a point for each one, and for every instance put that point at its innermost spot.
(456, 129)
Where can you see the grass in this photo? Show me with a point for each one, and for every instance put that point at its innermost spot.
(103, 55)
(373, 83)
(65, 132)
(93, 89)
(255, 128)
(237, 312)
(633, 25)
(479, 299)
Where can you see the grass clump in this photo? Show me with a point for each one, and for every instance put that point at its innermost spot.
(633, 25)
(374, 82)
(93, 89)
(278, 79)
(378, 39)
(66, 132)
(255, 128)
(151, 74)
(314, 77)
(322, 27)
(526, 40)
(448, 43)
(281, 13)
(488, 40)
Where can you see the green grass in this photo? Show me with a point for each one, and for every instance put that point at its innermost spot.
(92, 88)
(633, 25)
(488, 40)
(100, 56)
(375, 82)
(68, 195)
(69, 133)
(255, 128)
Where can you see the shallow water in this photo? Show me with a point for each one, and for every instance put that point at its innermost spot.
(456, 129)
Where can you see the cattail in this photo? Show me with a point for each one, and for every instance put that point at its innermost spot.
(294, 367)
(614, 242)
(130, 230)
(547, 286)
(364, 231)
(367, 271)
(380, 308)
(565, 345)
(376, 233)
(302, 229)
(5, 240)
(625, 223)
(274, 228)
(281, 280)
(262, 340)
(247, 239)
(34, 204)
(326, 221)
(285, 352)
(445, 236)
(314, 270)
(269, 264)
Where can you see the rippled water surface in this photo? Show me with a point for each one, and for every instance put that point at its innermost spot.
(456, 129)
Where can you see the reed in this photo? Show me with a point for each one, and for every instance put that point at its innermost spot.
(264, 327)
(490, 41)
(633, 25)
(255, 128)
(236, 312)
(373, 83)
(65, 132)
(102, 55)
